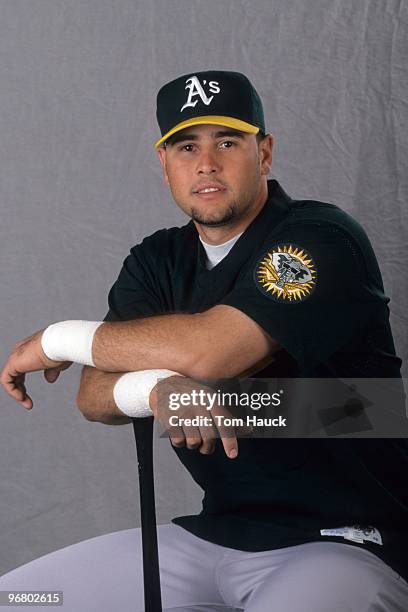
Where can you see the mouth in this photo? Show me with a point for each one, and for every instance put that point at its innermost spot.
(209, 190)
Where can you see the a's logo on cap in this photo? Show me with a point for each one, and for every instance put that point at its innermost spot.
(286, 273)
(196, 89)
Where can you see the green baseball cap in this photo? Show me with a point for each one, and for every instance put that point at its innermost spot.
(217, 97)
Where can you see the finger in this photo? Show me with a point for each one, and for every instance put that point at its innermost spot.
(175, 431)
(230, 446)
(51, 375)
(227, 433)
(208, 435)
(176, 435)
(207, 447)
(229, 440)
(17, 390)
(8, 373)
(193, 437)
(27, 402)
(19, 383)
(12, 384)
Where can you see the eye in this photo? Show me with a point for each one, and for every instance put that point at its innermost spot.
(227, 144)
(187, 147)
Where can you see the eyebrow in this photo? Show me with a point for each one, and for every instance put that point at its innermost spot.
(191, 136)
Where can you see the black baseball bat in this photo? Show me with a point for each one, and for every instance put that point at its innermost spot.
(143, 428)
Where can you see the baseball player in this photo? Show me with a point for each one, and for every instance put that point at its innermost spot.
(259, 283)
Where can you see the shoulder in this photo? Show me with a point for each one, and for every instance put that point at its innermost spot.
(163, 243)
(325, 218)
(325, 239)
(327, 228)
(165, 238)
(324, 213)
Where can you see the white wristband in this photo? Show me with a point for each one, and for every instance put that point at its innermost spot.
(70, 341)
(132, 391)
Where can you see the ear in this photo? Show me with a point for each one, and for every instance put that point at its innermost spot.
(265, 154)
(161, 154)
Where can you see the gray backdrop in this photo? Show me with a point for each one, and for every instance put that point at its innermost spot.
(80, 184)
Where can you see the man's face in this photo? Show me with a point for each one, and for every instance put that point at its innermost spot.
(216, 174)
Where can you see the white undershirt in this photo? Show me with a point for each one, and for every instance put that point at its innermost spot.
(217, 252)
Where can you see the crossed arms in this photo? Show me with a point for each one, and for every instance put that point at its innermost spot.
(220, 343)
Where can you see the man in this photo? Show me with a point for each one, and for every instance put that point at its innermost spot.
(255, 283)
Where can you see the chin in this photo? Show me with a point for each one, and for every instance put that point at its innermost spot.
(213, 220)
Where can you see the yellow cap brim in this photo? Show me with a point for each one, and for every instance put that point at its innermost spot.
(231, 122)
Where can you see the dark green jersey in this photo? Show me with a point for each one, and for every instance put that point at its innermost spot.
(305, 271)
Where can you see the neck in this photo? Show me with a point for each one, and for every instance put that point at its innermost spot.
(223, 233)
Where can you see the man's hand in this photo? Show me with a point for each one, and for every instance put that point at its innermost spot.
(209, 424)
(27, 356)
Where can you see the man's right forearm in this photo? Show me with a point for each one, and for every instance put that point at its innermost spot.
(95, 397)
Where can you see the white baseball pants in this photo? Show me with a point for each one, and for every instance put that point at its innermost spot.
(105, 574)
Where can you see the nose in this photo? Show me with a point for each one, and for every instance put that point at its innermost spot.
(207, 162)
